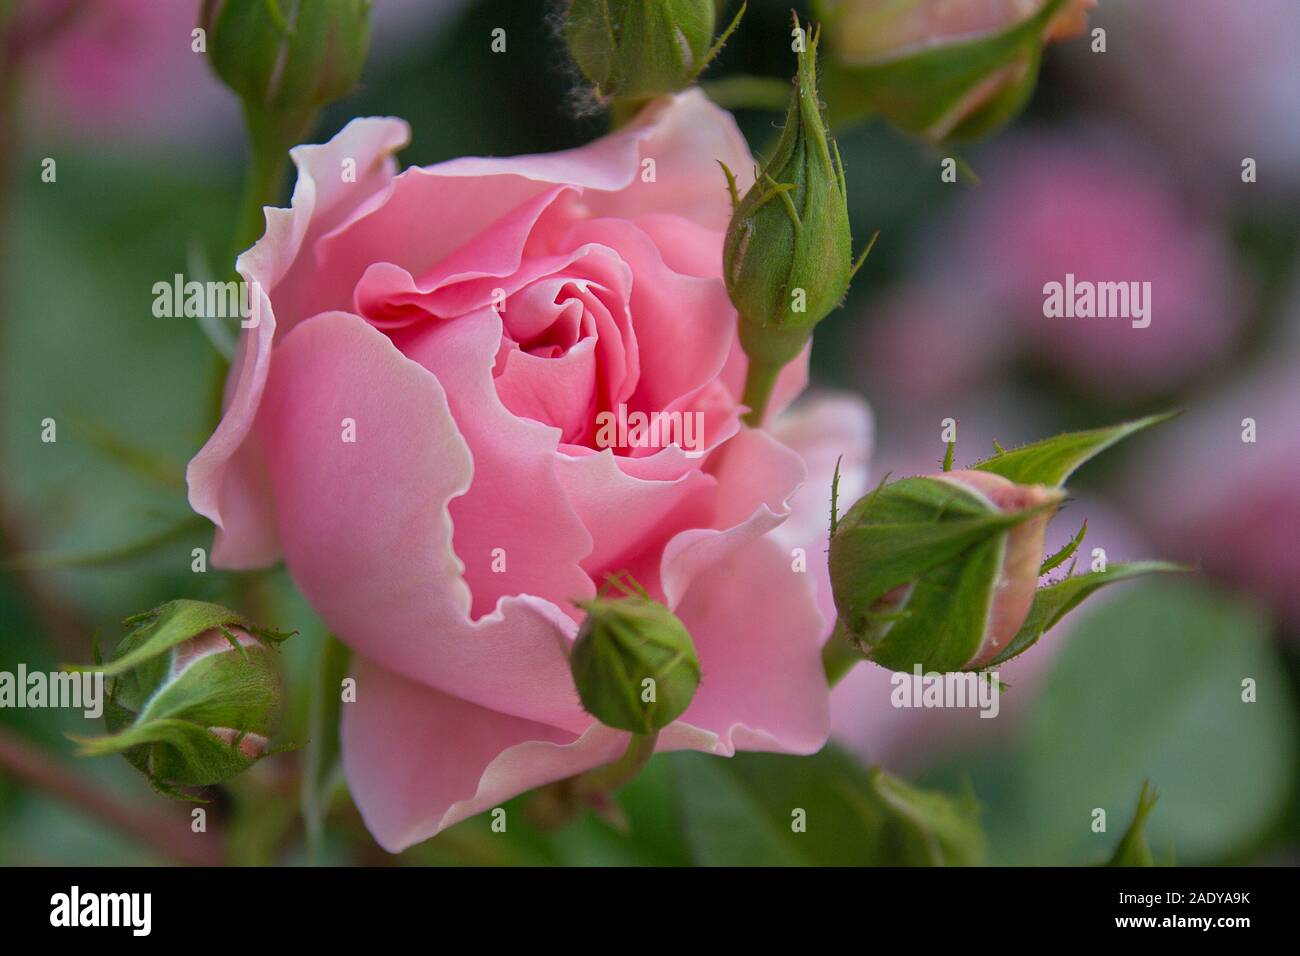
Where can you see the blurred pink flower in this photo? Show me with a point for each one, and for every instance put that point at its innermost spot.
(1232, 506)
(1217, 81)
(930, 341)
(125, 70)
(1053, 206)
(1097, 209)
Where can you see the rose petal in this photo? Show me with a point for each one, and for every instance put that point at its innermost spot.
(418, 761)
(821, 430)
(758, 633)
(226, 478)
(515, 509)
(367, 532)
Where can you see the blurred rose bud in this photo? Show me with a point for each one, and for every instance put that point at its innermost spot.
(940, 570)
(942, 69)
(635, 50)
(634, 663)
(194, 697)
(289, 55)
(787, 259)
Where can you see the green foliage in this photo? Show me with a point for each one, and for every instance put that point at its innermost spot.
(764, 809)
(1054, 601)
(1053, 460)
(1148, 686)
(1133, 849)
(322, 775)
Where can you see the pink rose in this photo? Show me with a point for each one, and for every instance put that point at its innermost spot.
(466, 325)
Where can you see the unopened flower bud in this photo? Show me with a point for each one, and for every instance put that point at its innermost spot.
(945, 70)
(288, 55)
(787, 258)
(634, 663)
(195, 695)
(638, 49)
(940, 570)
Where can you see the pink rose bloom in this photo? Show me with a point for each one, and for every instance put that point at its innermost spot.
(466, 324)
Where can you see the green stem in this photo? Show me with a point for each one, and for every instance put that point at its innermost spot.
(616, 775)
(623, 110)
(556, 804)
(839, 656)
(760, 379)
(271, 134)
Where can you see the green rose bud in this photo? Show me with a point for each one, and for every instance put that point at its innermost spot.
(940, 570)
(634, 663)
(288, 56)
(787, 259)
(194, 698)
(633, 50)
(938, 69)
(943, 571)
